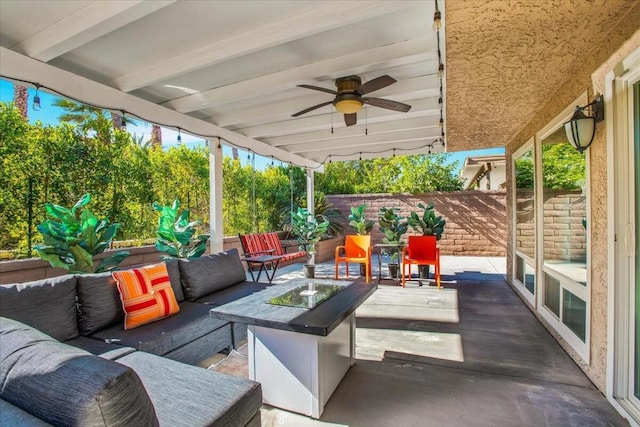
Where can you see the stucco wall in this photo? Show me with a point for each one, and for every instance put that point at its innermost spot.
(475, 219)
(595, 66)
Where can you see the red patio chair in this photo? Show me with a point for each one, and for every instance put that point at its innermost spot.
(421, 250)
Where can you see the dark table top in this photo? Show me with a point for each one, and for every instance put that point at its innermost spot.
(321, 320)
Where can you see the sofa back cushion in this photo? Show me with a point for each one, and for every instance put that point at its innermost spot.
(174, 276)
(64, 385)
(210, 273)
(99, 304)
(48, 305)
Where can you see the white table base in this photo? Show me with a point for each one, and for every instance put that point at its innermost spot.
(298, 371)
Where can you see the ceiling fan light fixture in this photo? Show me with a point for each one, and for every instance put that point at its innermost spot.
(348, 106)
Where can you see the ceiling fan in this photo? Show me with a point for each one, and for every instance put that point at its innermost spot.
(349, 97)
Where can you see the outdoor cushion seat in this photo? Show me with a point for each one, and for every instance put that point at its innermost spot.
(100, 348)
(208, 398)
(11, 415)
(64, 385)
(257, 244)
(192, 322)
(48, 305)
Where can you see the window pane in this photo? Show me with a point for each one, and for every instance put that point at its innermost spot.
(564, 206)
(552, 294)
(525, 207)
(574, 314)
(525, 274)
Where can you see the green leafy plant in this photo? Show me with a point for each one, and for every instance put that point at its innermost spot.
(426, 222)
(175, 235)
(393, 226)
(308, 230)
(358, 220)
(72, 237)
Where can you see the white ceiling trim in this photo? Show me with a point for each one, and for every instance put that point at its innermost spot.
(18, 66)
(396, 54)
(325, 16)
(85, 25)
(352, 131)
(349, 144)
(387, 150)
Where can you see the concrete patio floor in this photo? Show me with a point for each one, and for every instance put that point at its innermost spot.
(470, 354)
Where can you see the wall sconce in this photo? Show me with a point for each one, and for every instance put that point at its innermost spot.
(582, 128)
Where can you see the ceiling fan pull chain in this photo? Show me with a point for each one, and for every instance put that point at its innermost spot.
(331, 120)
(366, 122)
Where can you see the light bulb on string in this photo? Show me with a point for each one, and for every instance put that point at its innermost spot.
(123, 121)
(36, 100)
(437, 20)
(179, 136)
(441, 70)
(394, 153)
(441, 123)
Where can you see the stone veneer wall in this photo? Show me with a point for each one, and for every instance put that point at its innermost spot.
(475, 219)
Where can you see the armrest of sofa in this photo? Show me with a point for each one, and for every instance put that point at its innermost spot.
(64, 385)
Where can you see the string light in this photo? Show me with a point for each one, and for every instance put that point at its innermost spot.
(394, 153)
(441, 70)
(437, 18)
(36, 106)
(123, 121)
(272, 163)
(36, 99)
(330, 159)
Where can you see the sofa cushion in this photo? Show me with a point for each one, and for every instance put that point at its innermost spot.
(174, 276)
(100, 348)
(210, 273)
(192, 322)
(99, 302)
(11, 415)
(64, 385)
(48, 305)
(146, 295)
(211, 398)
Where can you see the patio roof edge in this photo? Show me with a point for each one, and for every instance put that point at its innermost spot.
(18, 67)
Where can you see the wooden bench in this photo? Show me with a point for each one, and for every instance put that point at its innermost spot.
(258, 244)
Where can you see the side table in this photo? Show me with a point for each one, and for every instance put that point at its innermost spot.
(387, 247)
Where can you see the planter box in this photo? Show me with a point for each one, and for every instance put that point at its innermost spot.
(326, 249)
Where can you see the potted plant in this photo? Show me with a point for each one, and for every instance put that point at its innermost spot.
(393, 226)
(426, 223)
(309, 231)
(72, 237)
(176, 235)
(363, 226)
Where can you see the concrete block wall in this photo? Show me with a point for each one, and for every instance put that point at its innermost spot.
(475, 219)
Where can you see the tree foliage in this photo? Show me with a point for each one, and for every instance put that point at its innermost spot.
(85, 153)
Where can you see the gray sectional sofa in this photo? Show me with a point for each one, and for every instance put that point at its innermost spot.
(65, 358)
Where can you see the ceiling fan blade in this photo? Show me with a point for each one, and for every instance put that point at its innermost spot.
(388, 104)
(306, 110)
(350, 119)
(375, 84)
(321, 89)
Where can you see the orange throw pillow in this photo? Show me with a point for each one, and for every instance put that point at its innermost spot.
(146, 295)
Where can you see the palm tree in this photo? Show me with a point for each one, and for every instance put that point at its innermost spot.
(90, 118)
(156, 136)
(21, 99)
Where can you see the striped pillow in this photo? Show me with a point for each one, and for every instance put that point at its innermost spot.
(146, 295)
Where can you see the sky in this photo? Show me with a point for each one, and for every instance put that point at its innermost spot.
(49, 114)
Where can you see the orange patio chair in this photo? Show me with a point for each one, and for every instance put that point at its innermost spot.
(356, 249)
(421, 250)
